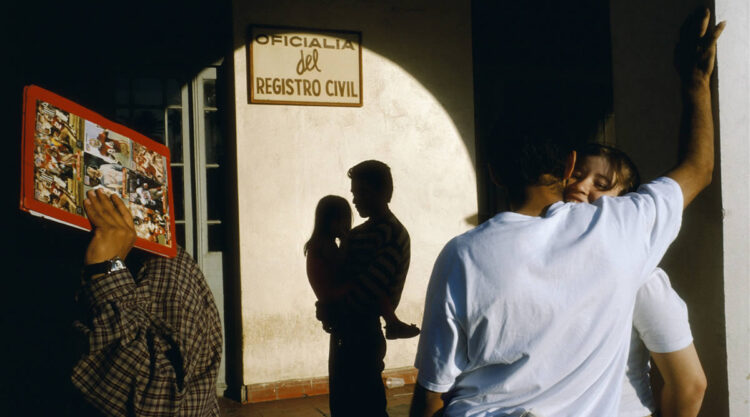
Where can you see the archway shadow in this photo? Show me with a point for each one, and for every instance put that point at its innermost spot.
(532, 63)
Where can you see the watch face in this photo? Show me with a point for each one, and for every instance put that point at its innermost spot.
(116, 265)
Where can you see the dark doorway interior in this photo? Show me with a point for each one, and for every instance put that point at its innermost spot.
(82, 50)
(539, 64)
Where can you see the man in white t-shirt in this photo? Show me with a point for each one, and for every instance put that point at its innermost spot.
(530, 313)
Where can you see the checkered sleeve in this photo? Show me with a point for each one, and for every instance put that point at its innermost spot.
(154, 344)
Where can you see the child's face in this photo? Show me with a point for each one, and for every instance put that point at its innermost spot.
(340, 227)
(344, 226)
(591, 179)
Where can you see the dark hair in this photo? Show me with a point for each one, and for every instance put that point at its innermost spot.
(625, 172)
(376, 174)
(329, 208)
(521, 159)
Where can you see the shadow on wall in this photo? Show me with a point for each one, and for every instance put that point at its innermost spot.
(77, 49)
(532, 62)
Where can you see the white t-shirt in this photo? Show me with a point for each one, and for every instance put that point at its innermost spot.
(533, 314)
(660, 324)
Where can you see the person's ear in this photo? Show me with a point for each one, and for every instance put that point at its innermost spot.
(570, 165)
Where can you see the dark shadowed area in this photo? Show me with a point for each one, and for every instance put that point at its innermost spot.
(542, 65)
(79, 50)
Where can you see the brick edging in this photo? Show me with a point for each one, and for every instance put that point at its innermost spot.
(306, 387)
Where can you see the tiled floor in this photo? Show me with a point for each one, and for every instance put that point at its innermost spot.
(399, 400)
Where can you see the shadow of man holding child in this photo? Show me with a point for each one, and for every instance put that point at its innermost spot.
(356, 282)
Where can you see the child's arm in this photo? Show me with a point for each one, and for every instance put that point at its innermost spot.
(320, 273)
(323, 267)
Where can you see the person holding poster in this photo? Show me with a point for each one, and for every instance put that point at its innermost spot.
(153, 341)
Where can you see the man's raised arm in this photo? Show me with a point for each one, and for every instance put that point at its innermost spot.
(694, 59)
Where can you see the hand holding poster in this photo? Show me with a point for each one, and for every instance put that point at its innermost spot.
(69, 150)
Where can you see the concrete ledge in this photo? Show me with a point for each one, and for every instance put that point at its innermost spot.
(300, 388)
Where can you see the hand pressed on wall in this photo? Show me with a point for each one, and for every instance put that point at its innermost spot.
(695, 53)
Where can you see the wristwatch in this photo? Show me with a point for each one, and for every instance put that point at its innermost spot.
(107, 267)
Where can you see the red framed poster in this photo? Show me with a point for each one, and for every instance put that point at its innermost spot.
(69, 150)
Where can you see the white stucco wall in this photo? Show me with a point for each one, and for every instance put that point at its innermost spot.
(417, 117)
(734, 122)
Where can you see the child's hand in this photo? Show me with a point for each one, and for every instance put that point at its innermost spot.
(695, 53)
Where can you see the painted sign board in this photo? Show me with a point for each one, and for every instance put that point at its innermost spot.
(304, 66)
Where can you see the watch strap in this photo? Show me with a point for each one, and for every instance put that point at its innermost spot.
(107, 267)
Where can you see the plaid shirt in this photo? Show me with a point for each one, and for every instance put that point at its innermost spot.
(154, 344)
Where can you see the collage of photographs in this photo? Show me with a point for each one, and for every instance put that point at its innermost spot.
(73, 155)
